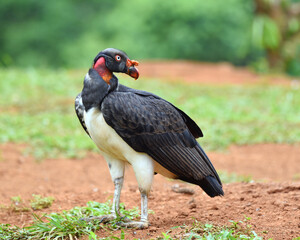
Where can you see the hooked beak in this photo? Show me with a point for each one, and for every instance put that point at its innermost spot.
(132, 71)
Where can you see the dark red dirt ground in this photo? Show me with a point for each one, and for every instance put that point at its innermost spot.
(272, 201)
(209, 73)
(273, 205)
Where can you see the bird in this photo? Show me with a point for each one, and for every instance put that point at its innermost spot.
(139, 128)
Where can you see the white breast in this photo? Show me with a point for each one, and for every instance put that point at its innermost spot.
(112, 145)
(105, 137)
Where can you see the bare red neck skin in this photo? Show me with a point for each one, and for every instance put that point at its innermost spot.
(103, 71)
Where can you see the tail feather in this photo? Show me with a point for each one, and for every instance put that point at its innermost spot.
(205, 158)
(211, 186)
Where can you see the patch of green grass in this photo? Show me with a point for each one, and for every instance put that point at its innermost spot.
(236, 231)
(17, 205)
(70, 225)
(233, 177)
(37, 108)
(38, 202)
(66, 225)
(296, 177)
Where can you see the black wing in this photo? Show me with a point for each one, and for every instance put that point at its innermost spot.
(79, 108)
(193, 127)
(150, 124)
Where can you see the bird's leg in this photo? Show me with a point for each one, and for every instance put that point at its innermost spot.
(116, 169)
(143, 169)
(144, 208)
(115, 210)
(144, 215)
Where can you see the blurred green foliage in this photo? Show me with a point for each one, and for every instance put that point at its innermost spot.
(276, 30)
(265, 32)
(69, 33)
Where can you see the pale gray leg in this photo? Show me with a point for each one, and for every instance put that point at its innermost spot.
(115, 210)
(144, 215)
(117, 194)
(143, 168)
(144, 208)
(116, 168)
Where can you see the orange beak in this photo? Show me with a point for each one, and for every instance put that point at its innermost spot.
(132, 70)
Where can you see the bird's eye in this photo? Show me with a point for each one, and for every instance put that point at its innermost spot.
(118, 58)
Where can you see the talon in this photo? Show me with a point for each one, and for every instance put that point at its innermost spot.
(125, 219)
(134, 225)
(87, 219)
(103, 219)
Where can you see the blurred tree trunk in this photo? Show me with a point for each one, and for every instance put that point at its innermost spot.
(285, 15)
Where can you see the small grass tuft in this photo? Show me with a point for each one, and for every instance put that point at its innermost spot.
(67, 224)
(8, 232)
(18, 205)
(296, 177)
(38, 202)
(236, 231)
(233, 177)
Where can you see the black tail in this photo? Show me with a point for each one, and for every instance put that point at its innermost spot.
(211, 186)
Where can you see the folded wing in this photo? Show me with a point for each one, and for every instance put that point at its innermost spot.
(151, 125)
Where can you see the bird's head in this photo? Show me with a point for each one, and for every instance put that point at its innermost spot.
(113, 60)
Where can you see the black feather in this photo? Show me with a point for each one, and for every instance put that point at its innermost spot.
(193, 127)
(94, 90)
(211, 186)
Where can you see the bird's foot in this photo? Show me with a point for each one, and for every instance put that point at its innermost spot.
(102, 219)
(134, 224)
(106, 218)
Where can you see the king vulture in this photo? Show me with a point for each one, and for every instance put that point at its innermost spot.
(142, 129)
